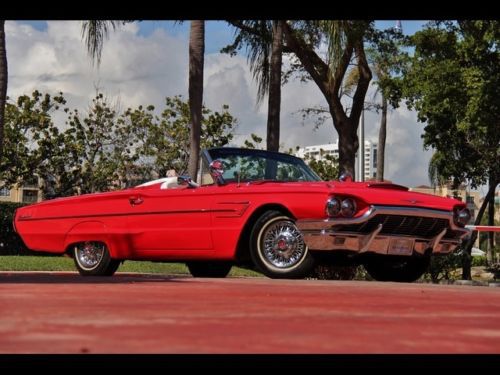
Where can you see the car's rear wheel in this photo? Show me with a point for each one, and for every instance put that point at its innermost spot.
(93, 259)
(407, 269)
(209, 269)
(278, 249)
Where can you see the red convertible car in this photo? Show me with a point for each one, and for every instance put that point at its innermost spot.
(266, 209)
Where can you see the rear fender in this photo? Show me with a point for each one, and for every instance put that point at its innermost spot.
(89, 231)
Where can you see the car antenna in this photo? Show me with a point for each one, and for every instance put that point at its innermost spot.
(239, 178)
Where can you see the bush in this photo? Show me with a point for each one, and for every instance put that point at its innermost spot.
(333, 272)
(442, 267)
(495, 270)
(10, 242)
(479, 261)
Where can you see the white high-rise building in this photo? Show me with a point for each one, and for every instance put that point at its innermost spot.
(318, 152)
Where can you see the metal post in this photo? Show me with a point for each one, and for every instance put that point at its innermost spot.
(361, 154)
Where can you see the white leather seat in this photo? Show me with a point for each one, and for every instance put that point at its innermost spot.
(166, 183)
(169, 183)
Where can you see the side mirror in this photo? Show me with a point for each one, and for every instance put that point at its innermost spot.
(216, 169)
(345, 177)
(186, 181)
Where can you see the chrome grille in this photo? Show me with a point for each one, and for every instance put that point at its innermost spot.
(418, 226)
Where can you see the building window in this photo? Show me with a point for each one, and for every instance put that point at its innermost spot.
(4, 192)
(30, 196)
(31, 183)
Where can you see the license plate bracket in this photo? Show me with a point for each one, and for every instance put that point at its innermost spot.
(401, 246)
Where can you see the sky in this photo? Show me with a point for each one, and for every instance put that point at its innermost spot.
(144, 62)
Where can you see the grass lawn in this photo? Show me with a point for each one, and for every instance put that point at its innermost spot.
(63, 263)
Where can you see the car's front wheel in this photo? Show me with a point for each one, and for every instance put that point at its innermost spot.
(209, 269)
(93, 259)
(278, 249)
(407, 269)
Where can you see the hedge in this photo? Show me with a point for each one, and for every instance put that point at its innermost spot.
(10, 242)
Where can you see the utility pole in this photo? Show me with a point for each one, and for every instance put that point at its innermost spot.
(361, 159)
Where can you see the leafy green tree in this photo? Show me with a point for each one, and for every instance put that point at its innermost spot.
(254, 141)
(33, 144)
(327, 168)
(453, 83)
(164, 143)
(90, 142)
(101, 149)
(345, 46)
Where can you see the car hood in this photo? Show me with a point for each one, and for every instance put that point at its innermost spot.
(372, 193)
(394, 195)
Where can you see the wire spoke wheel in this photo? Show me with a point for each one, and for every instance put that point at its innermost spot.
(89, 254)
(282, 244)
(92, 258)
(277, 247)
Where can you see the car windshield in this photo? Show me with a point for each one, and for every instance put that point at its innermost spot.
(247, 165)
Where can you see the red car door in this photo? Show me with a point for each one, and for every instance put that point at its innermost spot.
(170, 219)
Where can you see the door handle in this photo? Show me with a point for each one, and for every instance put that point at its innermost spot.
(135, 200)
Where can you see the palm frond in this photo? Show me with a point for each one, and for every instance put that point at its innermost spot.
(336, 38)
(95, 32)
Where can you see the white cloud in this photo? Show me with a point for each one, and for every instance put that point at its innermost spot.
(144, 70)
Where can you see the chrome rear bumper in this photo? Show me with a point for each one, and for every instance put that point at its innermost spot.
(326, 234)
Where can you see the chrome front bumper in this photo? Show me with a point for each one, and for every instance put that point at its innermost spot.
(325, 234)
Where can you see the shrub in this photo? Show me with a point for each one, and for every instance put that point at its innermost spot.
(10, 242)
(442, 267)
(333, 272)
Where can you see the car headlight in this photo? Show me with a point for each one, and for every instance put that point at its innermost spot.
(333, 207)
(348, 207)
(462, 216)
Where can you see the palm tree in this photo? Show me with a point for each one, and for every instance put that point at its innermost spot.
(196, 65)
(264, 40)
(379, 68)
(274, 103)
(95, 32)
(385, 60)
(3, 83)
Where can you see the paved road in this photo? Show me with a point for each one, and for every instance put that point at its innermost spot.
(67, 313)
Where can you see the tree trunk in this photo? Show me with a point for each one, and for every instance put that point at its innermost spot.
(330, 83)
(196, 62)
(3, 84)
(348, 146)
(491, 222)
(273, 114)
(381, 140)
(467, 259)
